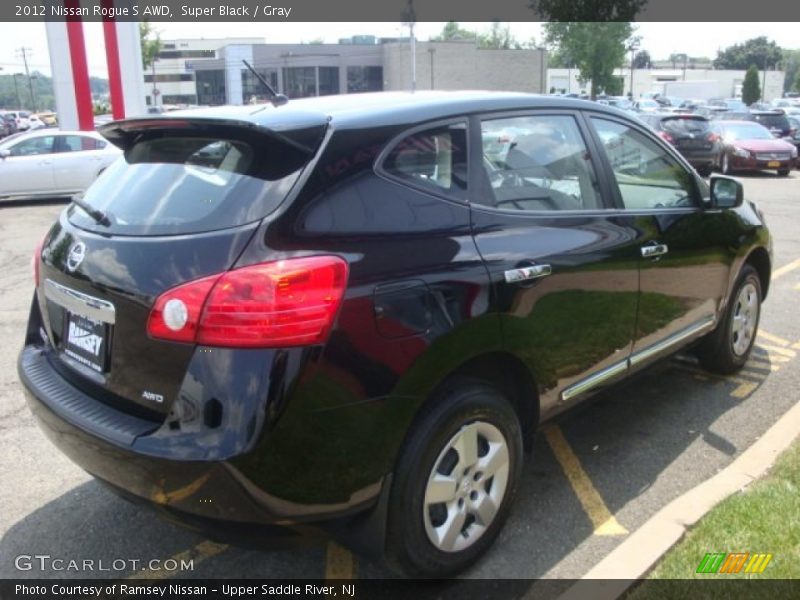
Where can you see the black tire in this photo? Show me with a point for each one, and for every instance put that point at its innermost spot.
(783, 173)
(722, 351)
(464, 405)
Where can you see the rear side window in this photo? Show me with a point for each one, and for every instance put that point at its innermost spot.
(178, 185)
(434, 159)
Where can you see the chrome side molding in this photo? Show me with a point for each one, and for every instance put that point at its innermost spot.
(80, 303)
(584, 385)
(677, 338)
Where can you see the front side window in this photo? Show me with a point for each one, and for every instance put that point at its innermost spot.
(435, 159)
(33, 147)
(646, 175)
(538, 163)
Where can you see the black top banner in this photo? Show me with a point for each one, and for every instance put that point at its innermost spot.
(277, 11)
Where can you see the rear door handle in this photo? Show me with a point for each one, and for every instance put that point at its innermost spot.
(527, 273)
(654, 249)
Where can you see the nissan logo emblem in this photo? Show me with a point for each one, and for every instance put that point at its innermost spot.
(76, 256)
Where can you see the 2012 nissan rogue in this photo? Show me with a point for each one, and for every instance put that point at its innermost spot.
(355, 311)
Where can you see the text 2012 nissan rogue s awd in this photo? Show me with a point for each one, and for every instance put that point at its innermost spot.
(356, 310)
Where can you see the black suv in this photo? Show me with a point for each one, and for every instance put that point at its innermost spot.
(355, 311)
(775, 121)
(691, 135)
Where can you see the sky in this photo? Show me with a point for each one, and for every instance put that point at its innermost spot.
(660, 39)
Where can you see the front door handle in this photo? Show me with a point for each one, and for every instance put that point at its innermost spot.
(655, 249)
(527, 273)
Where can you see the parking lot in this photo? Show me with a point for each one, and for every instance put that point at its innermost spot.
(594, 477)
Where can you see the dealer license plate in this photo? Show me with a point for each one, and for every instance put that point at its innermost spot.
(85, 341)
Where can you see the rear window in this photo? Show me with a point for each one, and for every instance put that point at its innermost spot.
(178, 185)
(685, 125)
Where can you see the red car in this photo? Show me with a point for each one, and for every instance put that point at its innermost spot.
(748, 146)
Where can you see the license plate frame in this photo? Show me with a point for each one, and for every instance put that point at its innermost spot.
(86, 340)
(774, 164)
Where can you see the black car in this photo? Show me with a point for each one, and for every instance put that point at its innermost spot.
(691, 134)
(8, 125)
(775, 121)
(353, 312)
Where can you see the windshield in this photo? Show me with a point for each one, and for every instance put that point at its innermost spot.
(179, 185)
(746, 131)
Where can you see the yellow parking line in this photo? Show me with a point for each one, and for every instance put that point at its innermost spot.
(198, 554)
(758, 375)
(744, 389)
(762, 364)
(339, 563)
(773, 338)
(770, 348)
(785, 269)
(603, 521)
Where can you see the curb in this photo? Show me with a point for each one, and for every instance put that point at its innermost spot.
(632, 559)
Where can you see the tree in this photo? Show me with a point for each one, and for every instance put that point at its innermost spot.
(797, 82)
(498, 38)
(452, 32)
(757, 51)
(596, 49)
(151, 46)
(641, 60)
(585, 11)
(791, 66)
(751, 88)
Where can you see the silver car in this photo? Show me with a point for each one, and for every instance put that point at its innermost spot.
(51, 163)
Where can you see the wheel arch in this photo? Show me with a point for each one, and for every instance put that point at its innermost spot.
(504, 371)
(759, 259)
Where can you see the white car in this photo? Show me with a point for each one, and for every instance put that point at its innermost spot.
(52, 163)
(35, 123)
(22, 117)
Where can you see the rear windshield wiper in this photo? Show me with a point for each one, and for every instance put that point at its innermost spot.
(98, 215)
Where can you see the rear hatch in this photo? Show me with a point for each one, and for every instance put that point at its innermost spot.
(689, 132)
(182, 203)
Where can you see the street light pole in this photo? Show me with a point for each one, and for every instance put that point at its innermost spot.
(431, 51)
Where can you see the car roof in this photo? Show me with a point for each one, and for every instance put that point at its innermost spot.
(382, 108)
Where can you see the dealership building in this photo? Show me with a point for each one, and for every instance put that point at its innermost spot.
(212, 72)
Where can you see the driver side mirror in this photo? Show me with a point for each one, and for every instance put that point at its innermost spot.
(5, 153)
(726, 192)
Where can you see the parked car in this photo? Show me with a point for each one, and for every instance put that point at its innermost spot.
(339, 312)
(34, 123)
(50, 119)
(8, 125)
(52, 163)
(794, 123)
(647, 105)
(21, 117)
(775, 121)
(749, 146)
(691, 135)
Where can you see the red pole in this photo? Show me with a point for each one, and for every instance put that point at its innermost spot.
(112, 60)
(80, 70)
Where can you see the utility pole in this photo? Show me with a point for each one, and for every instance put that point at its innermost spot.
(23, 52)
(410, 19)
(16, 90)
(431, 51)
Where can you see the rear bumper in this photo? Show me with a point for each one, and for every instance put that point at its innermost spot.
(699, 158)
(214, 495)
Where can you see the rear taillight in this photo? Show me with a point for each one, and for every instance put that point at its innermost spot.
(666, 137)
(285, 303)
